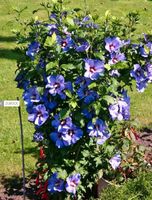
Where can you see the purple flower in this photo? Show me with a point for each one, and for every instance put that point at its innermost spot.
(116, 57)
(56, 84)
(66, 44)
(121, 109)
(31, 96)
(68, 86)
(53, 16)
(65, 31)
(115, 161)
(72, 135)
(93, 68)
(82, 45)
(41, 63)
(92, 25)
(143, 52)
(66, 136)
(125, 42)
(57, 138)
(62, 124)
(113, 44)
(82, 81)
(38, 137)
(64, 14)
(22, 81)
(72, 183)
(55, 184)
(139, 74)
(114, 73)
(149, 72)
(33, 49)
(38, 115)
(141, 85)
(87, 95)
(86, 19)
(86, 22)
(146, 50)
(52, 28)
(48, 101)
(98, 130)
(87, 113)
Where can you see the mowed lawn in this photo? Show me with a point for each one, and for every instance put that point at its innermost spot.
(141, 104)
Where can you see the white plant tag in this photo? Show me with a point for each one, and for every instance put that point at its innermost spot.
(11, 103)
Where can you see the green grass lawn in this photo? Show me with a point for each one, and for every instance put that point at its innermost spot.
(10, 157)
(137, 189)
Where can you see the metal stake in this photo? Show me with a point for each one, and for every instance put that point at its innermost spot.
(22, 149)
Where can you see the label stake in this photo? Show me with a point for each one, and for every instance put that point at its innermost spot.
(22, 149)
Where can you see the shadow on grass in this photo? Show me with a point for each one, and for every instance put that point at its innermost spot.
(7, 39)
(12, 188)
(9, 54)
(147, 129)
(32, 151)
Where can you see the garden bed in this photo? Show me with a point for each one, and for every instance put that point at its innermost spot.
(11, 188)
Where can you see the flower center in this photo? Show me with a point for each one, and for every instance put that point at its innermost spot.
(111, 46)
(115, 60)
(138, 72)
(33, 96)
(73, 184)
(92, 69)
(39, 114)
(64, 44)
(63, 122)
(70, 132)
(97, 126)
(57, 183)
(56, 85)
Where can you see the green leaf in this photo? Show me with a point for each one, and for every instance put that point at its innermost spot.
(64, 113)
(98, 161)
(126, 145)
(107, 66)
(147, 50)
(70, 21)
(82, 122)
(50, 66)
(40, 90)
(107, 13)
(67, 67)
(100, 174)
(73, 104)
(62, 174)
(90, 185)
(109, 99)
(46, 176)
(86, 153)
(99, 55)
(68, 93)
(97, 107)
(50, 41)
(92, 85)
(110, 149)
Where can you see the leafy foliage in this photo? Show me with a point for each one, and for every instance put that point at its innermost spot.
(74, 72)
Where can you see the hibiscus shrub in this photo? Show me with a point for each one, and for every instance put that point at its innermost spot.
(74, 71)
